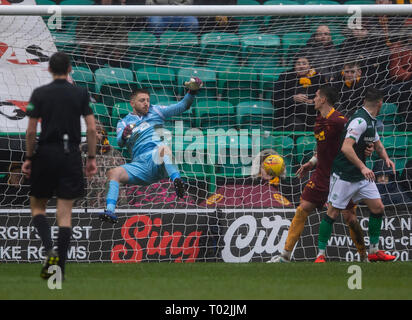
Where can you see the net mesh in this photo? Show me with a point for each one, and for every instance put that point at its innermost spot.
(253, 69)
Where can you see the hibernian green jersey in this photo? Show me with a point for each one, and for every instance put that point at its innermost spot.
(361, 127)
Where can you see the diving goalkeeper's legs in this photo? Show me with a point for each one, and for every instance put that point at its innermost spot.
(115, 177)
(165, 157)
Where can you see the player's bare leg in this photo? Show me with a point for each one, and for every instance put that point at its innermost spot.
(304, 209)
(38, 209)
(356, 232)
(115, 177)
(376, 208)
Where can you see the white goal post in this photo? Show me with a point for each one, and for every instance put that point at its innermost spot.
(248, 64)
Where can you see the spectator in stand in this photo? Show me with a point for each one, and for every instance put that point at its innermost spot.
(103, 40)
(218, 23)
(293, 95)
(14, 188)
(352, 88)
(370, 50)
(323, 53)
(400, 91)
(391, 192)
(107, 157)
(159, 24)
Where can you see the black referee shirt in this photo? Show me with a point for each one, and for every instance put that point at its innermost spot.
(60, 106)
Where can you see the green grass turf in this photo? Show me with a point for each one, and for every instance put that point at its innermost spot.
(210, 281)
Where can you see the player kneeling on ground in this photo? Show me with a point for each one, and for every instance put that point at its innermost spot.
(151, 158)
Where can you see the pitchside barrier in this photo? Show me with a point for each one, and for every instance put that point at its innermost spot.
(196, 235)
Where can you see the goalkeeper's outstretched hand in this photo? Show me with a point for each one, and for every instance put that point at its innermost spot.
(127, 131)
(194, 85)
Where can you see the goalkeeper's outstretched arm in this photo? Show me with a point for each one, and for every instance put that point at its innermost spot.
(193, 86)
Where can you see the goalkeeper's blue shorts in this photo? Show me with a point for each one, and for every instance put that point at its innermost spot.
(145, 169)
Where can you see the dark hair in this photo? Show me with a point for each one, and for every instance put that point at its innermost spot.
(137, 91)
(59, 63)
(302, 54)
(373, 95)
(330, 93)
(352, 64)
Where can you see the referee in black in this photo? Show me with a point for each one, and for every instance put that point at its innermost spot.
(54, 166)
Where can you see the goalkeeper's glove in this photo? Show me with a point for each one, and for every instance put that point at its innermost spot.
(127, 132)
(193, 85)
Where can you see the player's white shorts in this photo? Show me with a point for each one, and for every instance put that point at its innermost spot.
(341, 192)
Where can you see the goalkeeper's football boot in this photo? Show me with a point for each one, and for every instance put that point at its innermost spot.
(320, 259)
(52, 259)
(279, 259)
(180, 187)
(380, 256)
(108, 216)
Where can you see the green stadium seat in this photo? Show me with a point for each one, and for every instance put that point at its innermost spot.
(101, 113)
(248, 27)
(238, 84)
(119, 111)
(177, 43)
(83, 77)
(191, 155)
(388, 114)
(113, 140)
(232, 157)
(292, 42)
(214, 114)
(143, 49)
(208, 76)
(396, 146)
(114, 85)
(219, 44)
(65, 41)
(258, 47)
(305, 146)
(181, 62)
(221, 62)
(255, 114)
(160, 81)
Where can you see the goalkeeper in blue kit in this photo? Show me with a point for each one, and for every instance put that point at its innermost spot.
(151, 158)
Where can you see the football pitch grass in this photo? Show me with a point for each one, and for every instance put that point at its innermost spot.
(210, 281)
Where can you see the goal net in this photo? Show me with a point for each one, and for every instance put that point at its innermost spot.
(261, 66)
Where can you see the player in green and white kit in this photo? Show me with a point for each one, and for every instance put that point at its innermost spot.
(352, 179)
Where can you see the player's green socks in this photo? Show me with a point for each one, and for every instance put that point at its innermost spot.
(325, 230)
(112, 195)
(43, 229)
(375, 225)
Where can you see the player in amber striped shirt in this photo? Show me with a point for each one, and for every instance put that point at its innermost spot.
(328, 129)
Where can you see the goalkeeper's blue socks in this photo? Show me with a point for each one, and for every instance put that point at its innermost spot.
(171, 169)
(112, 196)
